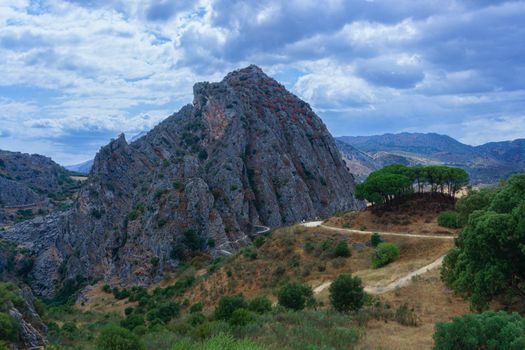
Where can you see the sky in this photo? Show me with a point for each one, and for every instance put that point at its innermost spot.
(76, 73)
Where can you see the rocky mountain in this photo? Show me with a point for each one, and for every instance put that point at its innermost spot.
(30, 181)
(245, 153)
(85, 167)
(485, 164)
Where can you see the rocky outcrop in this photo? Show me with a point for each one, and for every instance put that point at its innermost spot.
(31, 182)
(32, 329)
(245, 153)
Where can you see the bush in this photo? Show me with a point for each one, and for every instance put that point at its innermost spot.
(341, 250)
(220, 341)
(489, 330)
(260, 304)
(132, 321)
(9, 328)
(241, 317)
(375, 239)
(295, 296)
(259, 241)
(118, 338)
(228, 304)
(197, 307)
(385, 253)
(133, 215)
(406, 316)
(346, 293)
(165, 311)
(448, 219)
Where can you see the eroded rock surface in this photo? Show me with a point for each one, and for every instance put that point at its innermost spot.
(246, 152)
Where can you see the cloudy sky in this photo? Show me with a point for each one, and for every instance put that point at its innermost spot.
(75, 73)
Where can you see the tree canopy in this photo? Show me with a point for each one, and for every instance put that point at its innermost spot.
(489, 257)
(396, 180)
(489, 330)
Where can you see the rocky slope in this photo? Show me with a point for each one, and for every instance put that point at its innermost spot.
(245, 153)
(485, 164)
(30, 182)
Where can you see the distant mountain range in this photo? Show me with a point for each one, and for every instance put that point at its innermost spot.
(485, 164)
(82, 168)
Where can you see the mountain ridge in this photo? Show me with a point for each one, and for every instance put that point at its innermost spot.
(486, 164)
(246, 152)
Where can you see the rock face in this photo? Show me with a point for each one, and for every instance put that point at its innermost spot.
(245, 153)
(30, 181)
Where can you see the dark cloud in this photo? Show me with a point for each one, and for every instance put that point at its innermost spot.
(367, 66)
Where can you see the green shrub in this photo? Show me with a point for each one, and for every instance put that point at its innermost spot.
(346, 293)
(165, 311)
(118, 338)
(448, 219)
(219, 342)
(342, 250)
(133, 320)
(489, 330)
(295, 296)
(241, 317)
(106, 288)
(9, 292)
(196, 318)
(228, 304)
(309, 247)
(259, 241)
(375, 239)
(133, 215)
(161, 222)
(250, 254)
(260, 304)
(197, 307)
(9, 328)
(384, 254)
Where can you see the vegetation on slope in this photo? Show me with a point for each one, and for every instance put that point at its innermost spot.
(489, 257)
(395, 181)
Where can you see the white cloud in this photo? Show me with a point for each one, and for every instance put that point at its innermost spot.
(365, 66)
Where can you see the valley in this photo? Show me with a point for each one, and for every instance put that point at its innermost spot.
(236, 223)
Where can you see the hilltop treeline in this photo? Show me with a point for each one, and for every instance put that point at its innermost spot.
(396, 180)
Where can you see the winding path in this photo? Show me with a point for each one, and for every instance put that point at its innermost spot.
(400, 282)
(259, 229)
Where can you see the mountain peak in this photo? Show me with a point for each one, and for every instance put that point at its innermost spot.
(246, 153)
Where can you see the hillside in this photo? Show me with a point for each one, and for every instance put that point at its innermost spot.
(245, 153)
(486, 164)
(31, 184)
(290, 254)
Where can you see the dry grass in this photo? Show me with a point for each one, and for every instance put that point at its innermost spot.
(432, 302)
(418, 215)
(284, 258)
(95, 299)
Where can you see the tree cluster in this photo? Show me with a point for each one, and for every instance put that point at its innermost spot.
(489, 257)
(394, 181)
